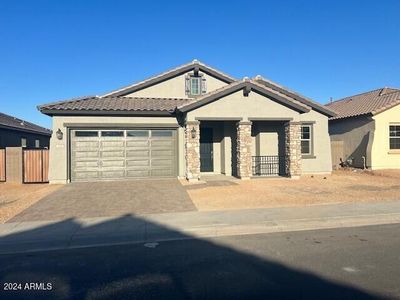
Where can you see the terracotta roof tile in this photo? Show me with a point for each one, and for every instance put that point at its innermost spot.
(96, 103)
(372, 102)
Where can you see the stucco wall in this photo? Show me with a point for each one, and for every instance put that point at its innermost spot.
(59, 148)
(320, 161)
(12, 138)
(382, 156)
(238, 106)
(175, 87)
(358, 137)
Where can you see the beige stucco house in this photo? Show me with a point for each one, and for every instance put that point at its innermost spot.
(368, 126)
(189, 121)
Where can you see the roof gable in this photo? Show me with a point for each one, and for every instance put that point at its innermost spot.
(195, 65)
(247, 86)
(368, 103)
(316, 106)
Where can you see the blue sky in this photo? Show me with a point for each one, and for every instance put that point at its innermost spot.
(54, 50)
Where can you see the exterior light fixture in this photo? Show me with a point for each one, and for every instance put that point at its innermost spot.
(59, 134)
(193, 132)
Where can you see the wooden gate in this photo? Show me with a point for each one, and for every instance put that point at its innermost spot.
(35, 165)
(2, 165)
(337, 153)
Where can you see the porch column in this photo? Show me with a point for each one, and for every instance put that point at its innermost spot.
(192, 150)
(293, 149)
(243, 150)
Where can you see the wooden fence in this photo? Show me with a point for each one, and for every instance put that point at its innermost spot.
(337, 151)
(35, 165)
(2, 165)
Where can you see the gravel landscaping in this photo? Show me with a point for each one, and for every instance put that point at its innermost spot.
(341, 186)
(15, 198)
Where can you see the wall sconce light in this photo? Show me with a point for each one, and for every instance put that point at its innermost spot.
(193, 131)
(59, 134)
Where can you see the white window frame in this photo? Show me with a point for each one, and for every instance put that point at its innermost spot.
(24, 142)
(198, 79)
(393, 137)
(310, 139)
(37, 143)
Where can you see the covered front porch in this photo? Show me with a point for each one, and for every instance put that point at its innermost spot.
(243, 149)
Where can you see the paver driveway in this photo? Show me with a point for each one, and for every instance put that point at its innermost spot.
(108, 199)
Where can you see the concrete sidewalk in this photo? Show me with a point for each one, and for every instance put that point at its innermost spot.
(74, 233)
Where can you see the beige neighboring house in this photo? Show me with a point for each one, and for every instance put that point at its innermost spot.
(186, 122)
(368, 125)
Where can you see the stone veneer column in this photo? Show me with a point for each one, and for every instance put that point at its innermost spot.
(192, 151)
(293, 149)
(243, 150)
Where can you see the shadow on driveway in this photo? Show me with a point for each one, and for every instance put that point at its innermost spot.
(108, 199)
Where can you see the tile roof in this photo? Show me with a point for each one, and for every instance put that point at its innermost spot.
(10, 122)
(372, 102)
(114, 104)
(305, 100)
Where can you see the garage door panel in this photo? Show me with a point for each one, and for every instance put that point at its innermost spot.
(137, 153)
(112, 144)
(107, 153)
(138, 163)
(113, 174)
(162, 143)
(86, 164)
(113, 163)
(85, 175)
(86, 144)
(162, 152)
(86, 154)
(132, 154)
(138, 173)
(162, 163)
(137, 143)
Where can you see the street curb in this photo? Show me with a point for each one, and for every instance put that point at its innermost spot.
(211, 231)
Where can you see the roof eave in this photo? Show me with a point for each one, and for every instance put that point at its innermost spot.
(59, 112)
(25, 130)
(317, 107)
(230, 90)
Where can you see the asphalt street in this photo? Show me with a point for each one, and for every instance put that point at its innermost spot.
(345, 263)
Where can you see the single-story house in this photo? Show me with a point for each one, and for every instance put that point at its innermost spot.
(15, 132)
(189, 121)
(368, 125)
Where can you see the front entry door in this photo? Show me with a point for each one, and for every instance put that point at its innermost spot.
(206, 150)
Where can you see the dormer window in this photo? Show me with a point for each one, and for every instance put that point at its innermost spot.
(195, 85)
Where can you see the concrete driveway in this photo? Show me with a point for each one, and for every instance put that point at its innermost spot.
(108, 199)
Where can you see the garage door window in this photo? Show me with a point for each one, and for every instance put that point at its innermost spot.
(137, 133)
(112, 133)
(86, 133)
(161, 133)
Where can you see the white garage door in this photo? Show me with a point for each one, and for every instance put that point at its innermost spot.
(122, 154)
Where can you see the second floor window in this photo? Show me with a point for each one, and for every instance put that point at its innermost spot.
(195, 86)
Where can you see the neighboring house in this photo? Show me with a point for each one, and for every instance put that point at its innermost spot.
(189, 121)
(15, 132)
(368, 124)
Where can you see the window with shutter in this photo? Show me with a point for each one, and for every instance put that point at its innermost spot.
(195, 85)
